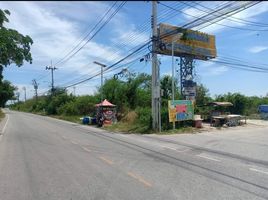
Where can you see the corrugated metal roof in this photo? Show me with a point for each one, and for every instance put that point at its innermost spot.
(223, 103)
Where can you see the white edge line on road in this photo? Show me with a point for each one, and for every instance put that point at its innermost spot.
(257, 170)
(209, 158)
(3, 130)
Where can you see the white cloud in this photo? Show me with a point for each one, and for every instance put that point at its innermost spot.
(56, 26)
(210, 69)
(258, 49)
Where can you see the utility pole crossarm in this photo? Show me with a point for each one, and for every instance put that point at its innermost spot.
(52, 76)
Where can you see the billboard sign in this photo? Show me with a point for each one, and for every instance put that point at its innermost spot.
(192, 43)
(180, 110)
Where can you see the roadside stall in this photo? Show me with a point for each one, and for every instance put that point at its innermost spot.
(105, 113)
(220, 116)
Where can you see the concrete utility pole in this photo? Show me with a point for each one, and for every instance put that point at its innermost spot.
(24, 88)
(102, 66)
(156, 107)
(35, 88)
(74, 90)
(52, 76)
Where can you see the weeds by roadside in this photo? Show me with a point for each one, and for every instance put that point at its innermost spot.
(2, 115)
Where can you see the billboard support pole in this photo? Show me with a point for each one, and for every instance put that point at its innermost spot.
(186, 75)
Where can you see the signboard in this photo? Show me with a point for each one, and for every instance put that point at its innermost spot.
(180, 110)
(192, 43)
(190, 91)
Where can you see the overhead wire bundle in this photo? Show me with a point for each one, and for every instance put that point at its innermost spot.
(222, 11)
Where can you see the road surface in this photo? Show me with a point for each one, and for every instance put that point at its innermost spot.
(43, 158)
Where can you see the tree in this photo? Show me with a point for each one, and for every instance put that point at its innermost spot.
(202, 95)
(6, 92)
(14, 47)
(166, 86)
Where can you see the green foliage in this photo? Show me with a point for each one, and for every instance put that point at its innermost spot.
(166, 86)
(2, 115)
(15, 47)
(239, 101)
(133, 100)
(6, 92)
(202, 99)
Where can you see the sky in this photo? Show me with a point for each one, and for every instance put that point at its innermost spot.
(57, 27)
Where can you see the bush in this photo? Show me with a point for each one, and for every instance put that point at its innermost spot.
(144, 118)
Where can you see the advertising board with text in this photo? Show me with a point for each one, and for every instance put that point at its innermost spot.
(180, 110)
(192, 43)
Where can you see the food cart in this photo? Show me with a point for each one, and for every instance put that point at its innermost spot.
(219, 116)
(105, 113)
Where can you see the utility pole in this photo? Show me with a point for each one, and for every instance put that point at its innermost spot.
(52, 76)
(74, 91)
(24, 88)
(35, 88)
(156, 107)
(102, 66)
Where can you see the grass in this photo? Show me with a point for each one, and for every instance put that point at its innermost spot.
(180, 130)
(127, 128)
(142, 129)
(2, 115)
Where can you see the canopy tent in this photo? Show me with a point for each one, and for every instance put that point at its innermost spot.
(105, 103)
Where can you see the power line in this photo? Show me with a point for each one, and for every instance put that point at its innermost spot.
(207, 21)
(88, 34)
(142, 28)
(99, 29)
(134, 52)
(233, 17)
(107, 68)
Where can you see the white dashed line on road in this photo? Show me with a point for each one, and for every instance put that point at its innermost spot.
(259, 170)
(73, 142)
(86, 149)
(209, 158)
(169, 148)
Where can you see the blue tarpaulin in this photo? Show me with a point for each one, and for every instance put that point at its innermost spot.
(263, 108)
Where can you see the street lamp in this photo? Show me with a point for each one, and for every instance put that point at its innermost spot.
(102, 65)
(174, 39)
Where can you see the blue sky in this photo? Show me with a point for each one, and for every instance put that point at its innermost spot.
(56, 27)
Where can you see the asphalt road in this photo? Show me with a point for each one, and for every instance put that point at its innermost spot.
(45, 158)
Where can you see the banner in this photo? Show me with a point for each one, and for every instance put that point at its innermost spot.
(180, 110)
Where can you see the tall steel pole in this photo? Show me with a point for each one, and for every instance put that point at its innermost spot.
(173, 93)
(102, 66)
(175, 38)
(155, 72)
